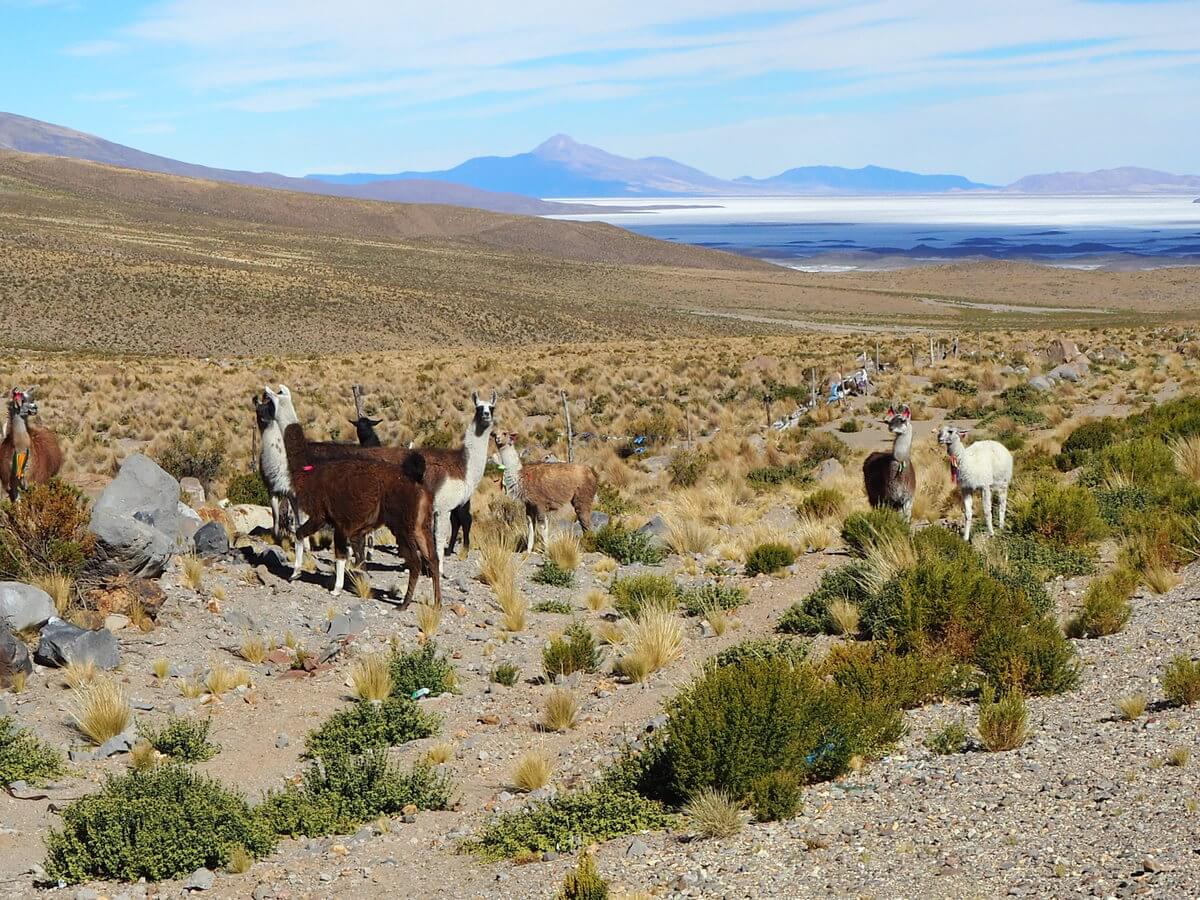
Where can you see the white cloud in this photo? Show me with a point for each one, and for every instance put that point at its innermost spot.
(105, 96)
(94, 48)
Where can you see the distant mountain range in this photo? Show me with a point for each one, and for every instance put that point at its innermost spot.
(563, 167)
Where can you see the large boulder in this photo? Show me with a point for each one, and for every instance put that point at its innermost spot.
(24, 606)
(14, 657)
(247, 518)
(1041, 382)
(138, 520)
(1066, 373)
(1061, 350)
(63, 643)
(828, 470)
(193, 490)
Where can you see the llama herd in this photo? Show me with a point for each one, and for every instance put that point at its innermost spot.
(423, 495)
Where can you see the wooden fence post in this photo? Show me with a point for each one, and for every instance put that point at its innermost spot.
(570, 434)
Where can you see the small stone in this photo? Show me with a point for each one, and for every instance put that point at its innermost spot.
(282, 740)
(637, 848)
(200, 880)
(79, 756)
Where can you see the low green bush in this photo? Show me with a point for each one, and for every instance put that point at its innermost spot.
(822, 446)
(611, 501)
(687, 467)
(158, 823)
(717, 595)
(850, 426)
(821, 504)
(811, 615)
(340, 793)
(1181, 681)
(192, 454)
(874, 672)
(1045, 560)
(1086, 440)
(1144, 461)
(775, 796)
(183, 739)
(550, 573)
(625, 545)
(1106, 608)
(761, 649)
(247, 487)
(632, 594)
(25, 757)
(506, 674)
(368, 725)
(46, 533)
(421, 668)
(1061, 515)
(1118, 505)
(769, 558)
(583, 882)
(765, 477)
(599, 813)
(862, 531)
(575, 651)
(949, 739)
(558, 607)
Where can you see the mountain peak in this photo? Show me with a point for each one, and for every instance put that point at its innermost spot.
(557, 145)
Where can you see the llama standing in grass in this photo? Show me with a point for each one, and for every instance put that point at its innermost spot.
(890, 478)
(985, 466)
(546, 487)
(29, 454)
(273, 467)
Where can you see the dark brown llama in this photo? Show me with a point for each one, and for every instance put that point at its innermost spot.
(29, 454)
(354, 496)
(891, 478)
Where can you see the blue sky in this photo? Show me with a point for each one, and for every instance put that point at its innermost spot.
(990, 90)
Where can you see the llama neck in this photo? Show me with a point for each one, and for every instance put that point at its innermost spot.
(295, 445)
(902, 448)
(18, 427)
(474, 453)
(511, 460)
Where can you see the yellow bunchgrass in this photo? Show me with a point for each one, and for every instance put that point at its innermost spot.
(714, 814)
(717, 618)
(1186, 452)
(497, 562)
(429, 617)
(597, 599)
(604, 566)
(101, 710)
(290, 640)
(142, 755)
(221, 679)
(190, 688)
(1132, 706)
(440, 753)
(564, 550)
(240, 861)
(192, 570)
(514, 607)
(885, 559)
(610, 633)
(1159, 576)
(845, 616)
(360, 586)
(61, 589)
(253, 649)
(560, 710)
(78, 674)
(655, 640)
(371, 678)
(533, 770)
(161, 668)
(17, 681)
(687, 534)
(815, 534)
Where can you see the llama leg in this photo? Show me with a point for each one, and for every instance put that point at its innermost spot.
(906, 509)
(583, 513)
(530, 517)
(545, 533)
(276, 523)
(1003, 503)
(465, 517)
(455, 525)
(441, 525)
(412, 556)
(987, 508)
(340, 549)
(968, 501)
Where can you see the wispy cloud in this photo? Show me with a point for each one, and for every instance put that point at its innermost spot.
(101, 47)
(105, 96)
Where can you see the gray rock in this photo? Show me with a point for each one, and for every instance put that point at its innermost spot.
(4, 710)
(14, 657)
(193, 490)
(828, 470)
(1066, 373)
(656, 528)
(211, 540)
(200, 880)
(241, 620)
(138, 522)
(282, 740)
(655, 464)
(637, 848)
(1041, 382)
(87, 894)
(345, 624)
(24, 606)
(78, 756)
(117, 744)
(62, 643)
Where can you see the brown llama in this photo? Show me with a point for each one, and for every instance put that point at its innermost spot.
(354, 496)
(890, 477)
(29, 454)
(546, 487)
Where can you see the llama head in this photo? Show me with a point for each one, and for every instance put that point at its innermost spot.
(364, 427)
(281, 401)
(948, 434)
(898, 422)
(484, 414)
(264, 410)
(21, 402)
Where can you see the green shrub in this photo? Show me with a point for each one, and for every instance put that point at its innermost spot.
(1022, 404)
(768, 558)
(738, 722)
(565, 821)
(583, 882)
(1106, 607)
(1044, 560)
(624, 545)
(193, 454)
(951, 738)
(1181, 681)
(247, 487)
(575, 651)
(506, 674)
(765, 477)
(559, 607)
(158, 823)
(958, 385)
(1120, 504)
(1033, 657)
(1003, 723)
(1061, 515)
(369, 725)
(421, 668)
(686, 467)
(823, 446)
(45, 533)
(631, 594)
(761, 649)
(1085, 440)
(698, 600)
(811, 615)
(609, 500)
(183, 739)
(338, 794)
(1141, 461)
(862, 531)
(775, 796)
(25, 757)
(874, 672)
(549, 572)
(850, 426)
(821, 504)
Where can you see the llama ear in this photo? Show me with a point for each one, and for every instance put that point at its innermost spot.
(475, 398)
(374, 422)
(30, 390)
(493, 398)
(906, 413)
(284, 391)
(267, 392)
(890, 413)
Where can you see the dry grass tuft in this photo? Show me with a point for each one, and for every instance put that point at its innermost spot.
(655, 641)
(714, 814)
(143, 756)
(221, 679)
(192, 571)
(371, 678)
(597, 599)
(61, 589)
(1160, 577)
(1132, 706)
(497, 563)
(1186, 452)
(565, 551)
(101, 710)
(687, 534)
(360, 586)
(1179, 756)
(845, 616)
(190, 688)
(429, 617)
(814, 535)
(78, 674)
(533, 770)
(885, 559)
(560, 710)
(514, 606)
(440, 753)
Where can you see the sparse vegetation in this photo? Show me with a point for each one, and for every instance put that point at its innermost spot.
(1003, 722)
(1181, 681)
(183, 739)
(769, 558)
(714, 814)
(370, 725)
(574, 651)
(25, 757)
